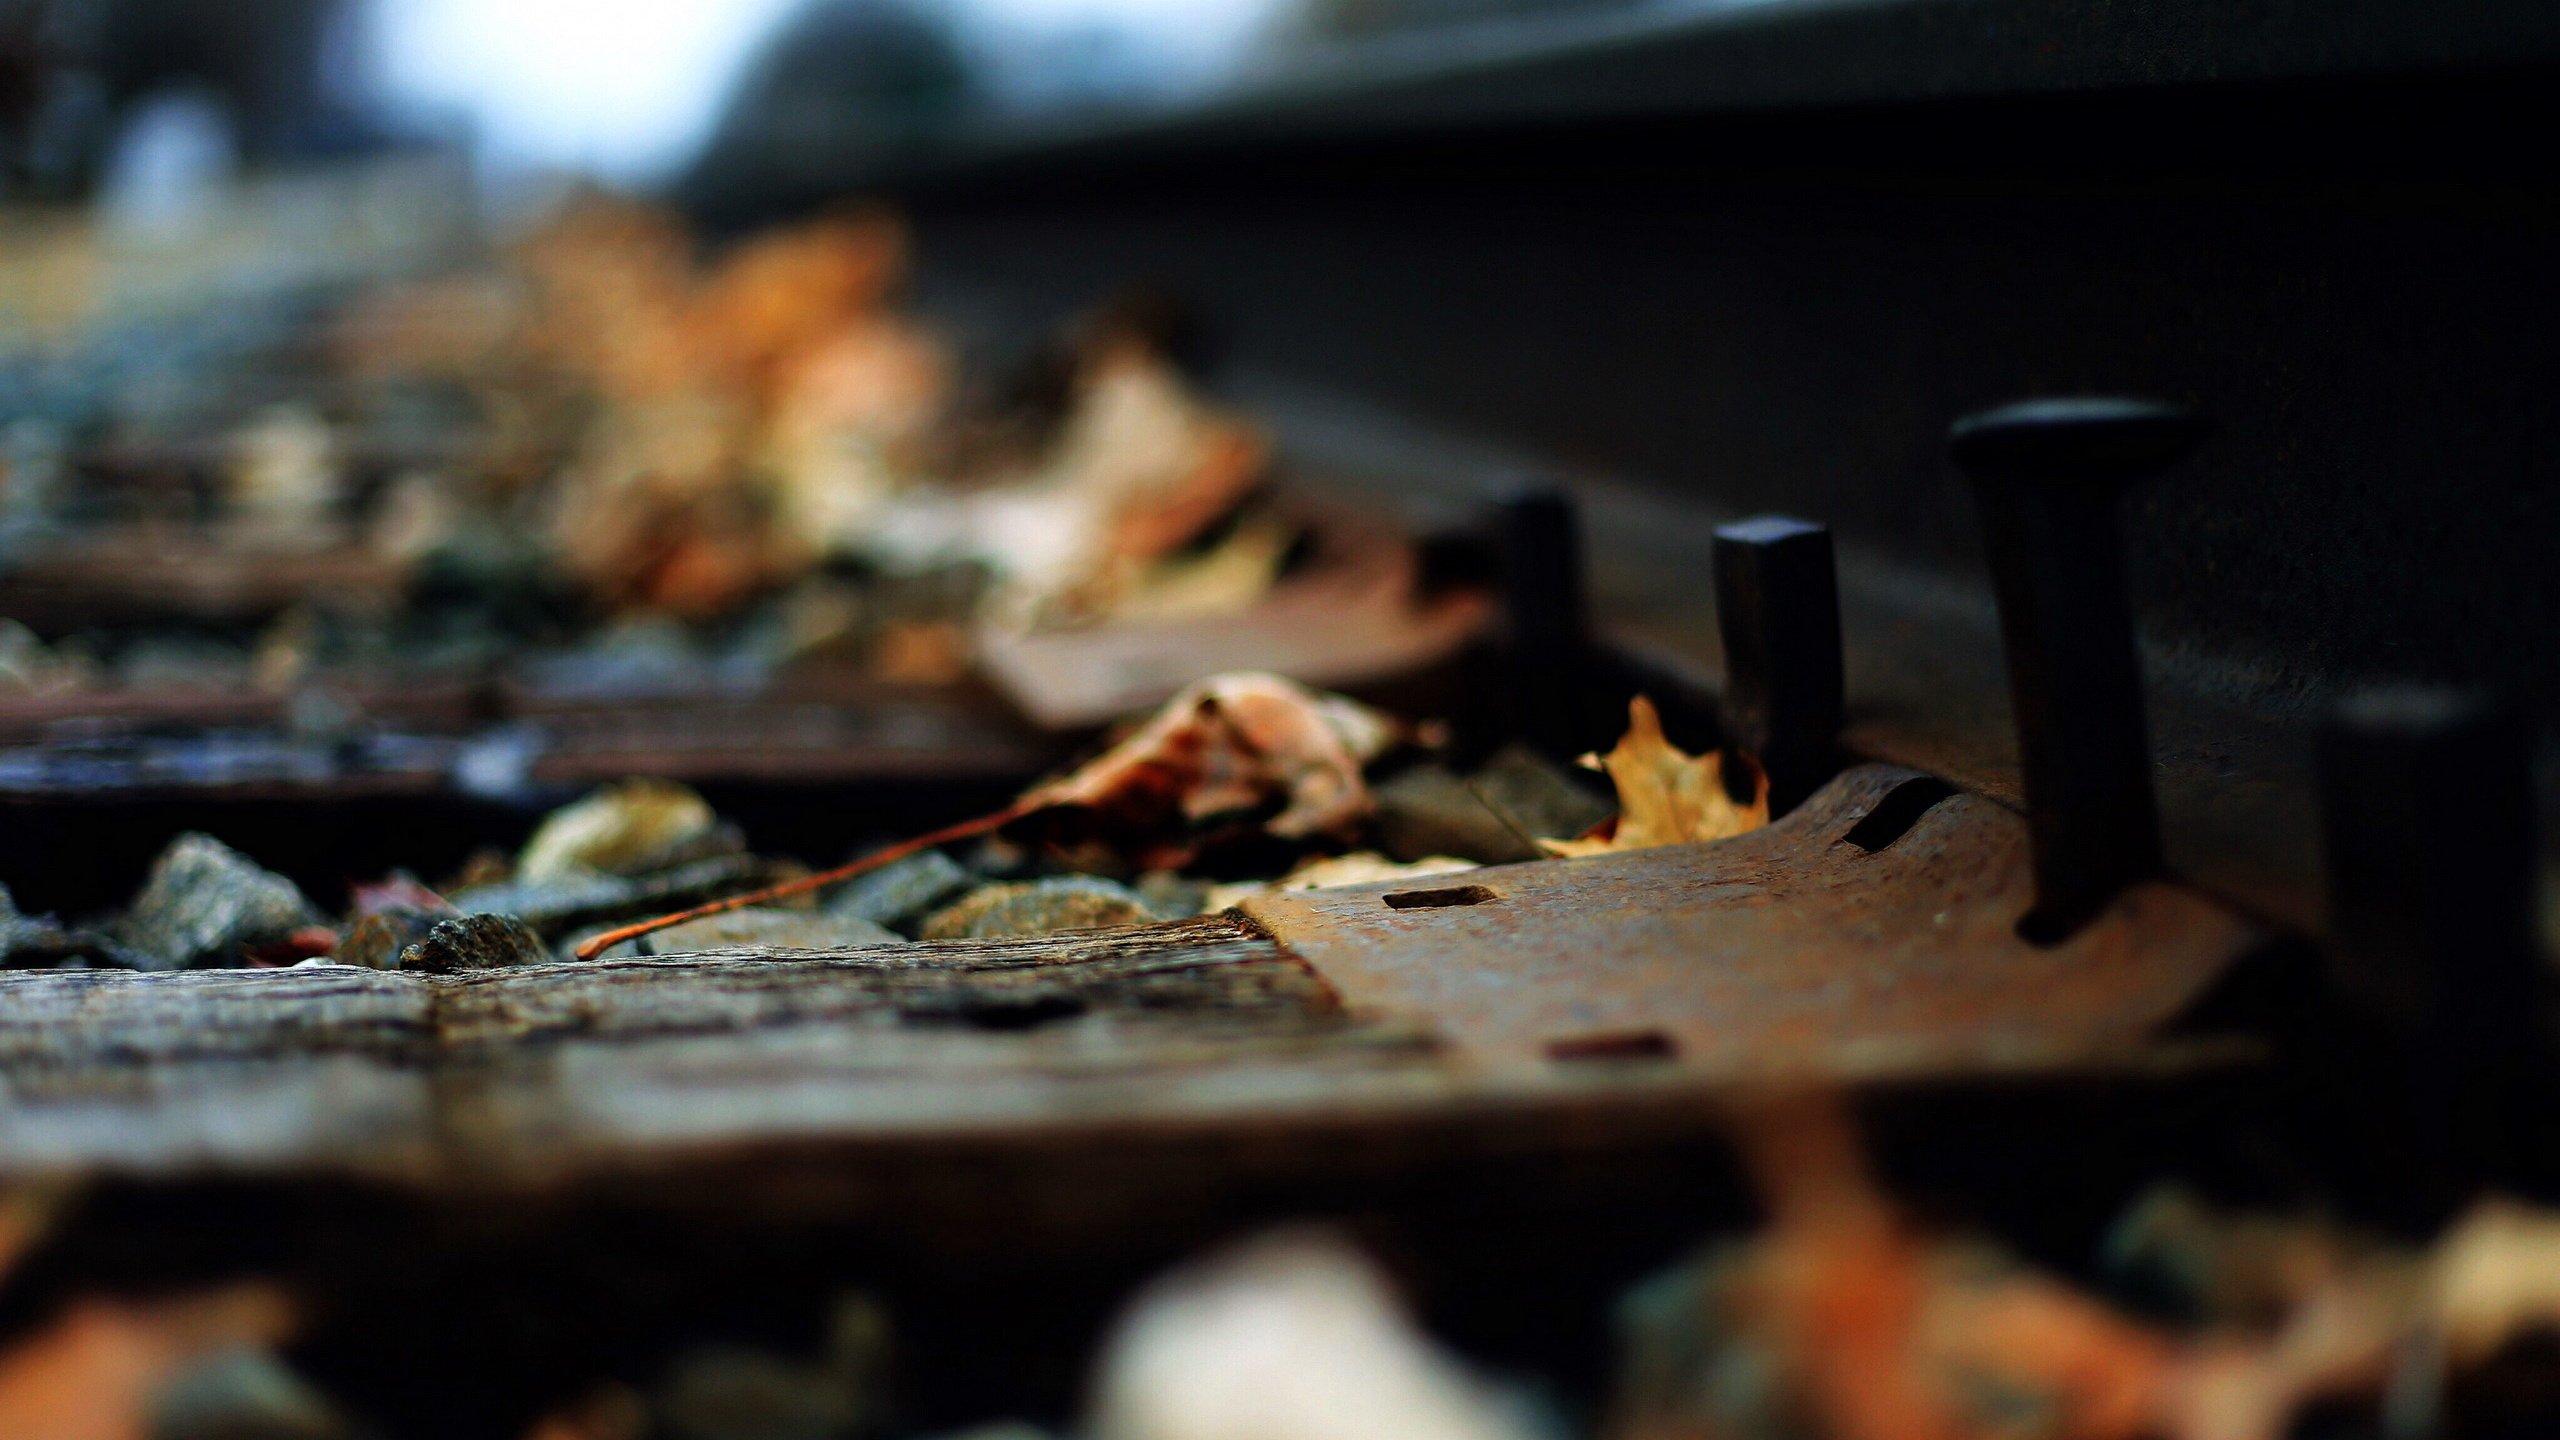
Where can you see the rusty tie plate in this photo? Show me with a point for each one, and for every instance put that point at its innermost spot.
(1869, 934)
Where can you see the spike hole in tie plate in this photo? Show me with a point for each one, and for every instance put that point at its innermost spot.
(1892, 817)
(1616, 1045)
(1439, 899)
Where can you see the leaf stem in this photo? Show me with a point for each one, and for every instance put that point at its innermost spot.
(965, 830)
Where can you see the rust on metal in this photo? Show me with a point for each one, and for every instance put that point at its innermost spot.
(1791, 949)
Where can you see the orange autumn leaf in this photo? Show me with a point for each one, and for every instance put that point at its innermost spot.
(94, 1372)
(1843, 1283)
(1666, 796)
(876, 376)
(786, 290)
(1889, 1334)
(920, 652)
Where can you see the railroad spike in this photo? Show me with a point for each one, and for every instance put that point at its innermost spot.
(2427, 823)
(2426, 802)
(1778, 607)
(1539, 536)
(2047, 475)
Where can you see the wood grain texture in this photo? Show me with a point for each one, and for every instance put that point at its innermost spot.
(1152, 1062)
(524, 1075)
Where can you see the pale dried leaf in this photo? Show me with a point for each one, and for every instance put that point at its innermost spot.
(2495, 1277)
(1233, 744)
(1228, 579)
(285, 466)
(1294, 1337)
(1360, 867)
(880, 378)
(1666, 796)
(1143, 468)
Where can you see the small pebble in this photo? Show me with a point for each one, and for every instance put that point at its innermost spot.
(204, 902)
(1040, 907)
(39, 942)
(16, 929)
(618, 830)
(475, 942)
(771, 930)
(74, 950)
(902, 893)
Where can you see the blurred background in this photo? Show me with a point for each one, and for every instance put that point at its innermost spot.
(421, 419)
(121, 97)
(1711, 257)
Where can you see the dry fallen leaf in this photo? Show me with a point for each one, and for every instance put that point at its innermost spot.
(1882, 1332)
(453, 326)
(881, 377)
(611, 284)
(1665, 795)
(2494, 1277)
(1229, 578)
(1229, 745)
(1878, 1331)
(285, 466)
(1293, 1337)
(920, 652)
(93, 1373)
(783, 291)
(1143, 468)
(1360, 867)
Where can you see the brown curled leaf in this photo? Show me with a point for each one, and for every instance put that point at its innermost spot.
(1233, 744)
